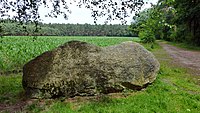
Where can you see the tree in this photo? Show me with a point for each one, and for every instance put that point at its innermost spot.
(172, 20)
(188, 20)
(27, 10)
(156, 22)
(146, 25)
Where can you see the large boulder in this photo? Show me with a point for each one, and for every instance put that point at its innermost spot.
(80, 69)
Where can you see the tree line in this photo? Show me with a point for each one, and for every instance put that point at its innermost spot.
(171, 20)
(12, 27)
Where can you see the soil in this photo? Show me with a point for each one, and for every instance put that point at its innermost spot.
(185, 58)
(17, 107)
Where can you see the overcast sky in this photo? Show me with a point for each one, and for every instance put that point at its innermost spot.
(82, 16)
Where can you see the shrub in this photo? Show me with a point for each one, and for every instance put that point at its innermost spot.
(147, 36)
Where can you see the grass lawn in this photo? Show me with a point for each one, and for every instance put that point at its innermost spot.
(174, 91)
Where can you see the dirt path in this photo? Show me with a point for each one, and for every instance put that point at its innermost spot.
(186, 58)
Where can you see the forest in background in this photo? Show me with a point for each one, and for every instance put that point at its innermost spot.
(14, 28)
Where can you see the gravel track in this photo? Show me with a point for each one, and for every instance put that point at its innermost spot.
(186, 58)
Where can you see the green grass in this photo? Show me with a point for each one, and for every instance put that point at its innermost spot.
(15, 51)
(10, 88)
(174, 91)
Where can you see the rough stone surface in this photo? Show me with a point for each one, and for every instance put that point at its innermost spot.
(81, 69)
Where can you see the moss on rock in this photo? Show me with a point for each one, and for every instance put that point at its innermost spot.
(79, 68)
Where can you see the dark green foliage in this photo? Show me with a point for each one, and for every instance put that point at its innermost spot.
(188, 20)
(144, 25)
(147, 36)
(91, 30)
(171, 20)
(10, 27)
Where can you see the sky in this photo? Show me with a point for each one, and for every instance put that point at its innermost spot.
(82, 16)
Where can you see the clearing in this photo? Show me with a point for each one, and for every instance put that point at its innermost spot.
(175, 90)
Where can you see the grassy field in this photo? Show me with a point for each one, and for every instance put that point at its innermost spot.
(174, 91)
(16, 51)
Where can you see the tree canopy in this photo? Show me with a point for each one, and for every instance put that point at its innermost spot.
(27, 10)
